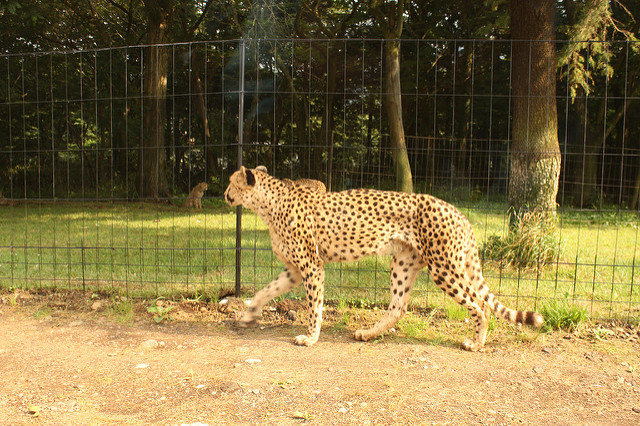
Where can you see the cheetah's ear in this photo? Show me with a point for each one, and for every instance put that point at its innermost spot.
(249, 176)
(251, 179)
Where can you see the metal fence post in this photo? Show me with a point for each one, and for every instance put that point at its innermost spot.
(240, 136)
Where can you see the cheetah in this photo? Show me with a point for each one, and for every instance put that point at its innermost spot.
(194, 199)
(314, 184)
(309, 229)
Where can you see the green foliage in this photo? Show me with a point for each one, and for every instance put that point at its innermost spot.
(456, 312)
(416, 327)
(122, 309)
(562, 316)
(42, 312)
(602, 333)
(591, 23)
(532, 241)
(160, 312)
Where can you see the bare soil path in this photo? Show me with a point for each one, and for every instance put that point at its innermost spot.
(77, 365)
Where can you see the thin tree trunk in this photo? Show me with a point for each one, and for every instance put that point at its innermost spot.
(633, 205)
(390, 17)
(393, 108)
(326, 128)
(203, 122)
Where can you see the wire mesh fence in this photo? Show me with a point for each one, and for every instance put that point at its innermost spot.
(100, 149)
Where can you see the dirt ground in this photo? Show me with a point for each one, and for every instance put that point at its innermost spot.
(69, 359)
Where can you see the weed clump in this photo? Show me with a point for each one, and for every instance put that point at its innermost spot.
(533, 241)
(562, 316)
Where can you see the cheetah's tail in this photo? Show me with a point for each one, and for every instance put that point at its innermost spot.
(530, 318)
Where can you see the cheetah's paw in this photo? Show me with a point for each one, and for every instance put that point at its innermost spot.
(470, 345)
(364, 335)
(246, 322)
(303, 340)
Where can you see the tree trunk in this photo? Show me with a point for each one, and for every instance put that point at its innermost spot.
(390, 17)
(633, 204)
(535, 152)
(203, 118)
(326, 128)
(393, 108)
(152, 173)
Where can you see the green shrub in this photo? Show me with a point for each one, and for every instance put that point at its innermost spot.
(533, 241)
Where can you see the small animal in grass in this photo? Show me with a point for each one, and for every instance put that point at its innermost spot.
(194, 199)
(5, 201)
(309, 229)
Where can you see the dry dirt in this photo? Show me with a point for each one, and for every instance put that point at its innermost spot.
(69, 359)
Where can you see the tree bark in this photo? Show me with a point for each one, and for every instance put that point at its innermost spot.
(152, 173)
(323, 137)
(203, 119)
(535, 152)
(393, 109)
(390, 17)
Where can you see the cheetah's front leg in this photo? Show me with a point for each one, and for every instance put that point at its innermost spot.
(314, 286)
(288, 279)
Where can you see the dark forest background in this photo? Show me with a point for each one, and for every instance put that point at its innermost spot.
(140, 99)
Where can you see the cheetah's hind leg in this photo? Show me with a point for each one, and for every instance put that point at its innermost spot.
(405, 266)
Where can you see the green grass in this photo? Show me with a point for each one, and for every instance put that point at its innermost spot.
(122, 311)
(563, 316)
(532, 242)
(149, 250)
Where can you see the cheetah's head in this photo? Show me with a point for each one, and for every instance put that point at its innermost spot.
(241, 187)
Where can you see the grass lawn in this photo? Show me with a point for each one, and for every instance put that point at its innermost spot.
(150, 250)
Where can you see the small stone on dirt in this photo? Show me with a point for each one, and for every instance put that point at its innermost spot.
(636, 410)
(230, 387)
(150, 344)
(285, 306)
(96, 306)
(292, 315)
(231, 304)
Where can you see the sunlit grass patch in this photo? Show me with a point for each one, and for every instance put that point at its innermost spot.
(563, 316)
(147, 250)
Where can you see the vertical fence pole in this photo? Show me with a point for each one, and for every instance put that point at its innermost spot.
(240, 135)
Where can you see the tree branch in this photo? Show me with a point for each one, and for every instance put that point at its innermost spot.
(202, 15)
